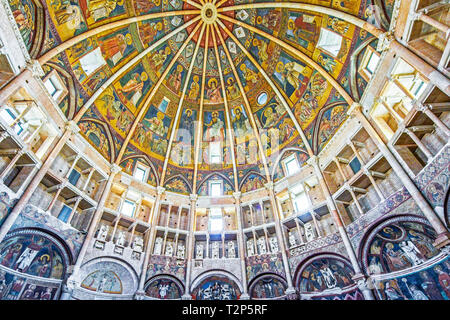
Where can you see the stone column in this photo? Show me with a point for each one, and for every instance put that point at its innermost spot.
(433, 218)
(299, 231)
(35, 132)
(390, 110)
(426, 109)
(241, 246)
(434, 23)
(338, 164)
(74, 163)
(139, 295)
(55, 197)
(4, 135)
(12, 163)
(291, 292)
(314, 162)
(313, 215)
(190, 247)
(419, 144)
(355, 199)
(91, 172)
(71, 127)
(74, 209)
(72, 280)
(374, 183)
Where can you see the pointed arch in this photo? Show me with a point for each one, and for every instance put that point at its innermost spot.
(112, 148)
(147, 160)
(71, 106)
(211, 175)
(280, 157)
(179, 176)
(247, 175)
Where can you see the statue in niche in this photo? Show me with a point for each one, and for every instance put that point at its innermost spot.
(262, 245)
(169, 249)
(180, 251)
(199, 251)
(328, 276)
(215, 250)
(138, 244)
(309, 232)
(411, 252)
(103, 232)
(158, 246)
(121, 239)
(292, 240)
(250, 247)
(273, 244)
(231, 250)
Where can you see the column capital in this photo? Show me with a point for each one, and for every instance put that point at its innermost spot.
(237, 195)
(313, 161)
(269, 185)
(367, 172)
(419, 106)
(35, 67)
(355, 107)
(193, 197)
(139, 295)
(363, 282)
(160, 190)
(72, 126)
(115, 168)
(384, 41)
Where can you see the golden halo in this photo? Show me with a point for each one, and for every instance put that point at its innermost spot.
(159, 26)
(280, 67)
(291, 24)
(156, 2)
(144, 76)
(167, 50)
(266, 111)
(230, 81)
(179, 68)
(188, 110)
(255, 42)
(195, 78)
(212, 80)
(160, 115)
(259, 20)
(243, 67)
(237, 108)
(128, 39)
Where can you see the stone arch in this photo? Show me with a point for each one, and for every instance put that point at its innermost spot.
(212, 175)
(207, 280)
(108, 275)
(36, 252)
(267, 286)
(175, 288)
(112, 147)
(147, 160)
(182, 178)
(280, 157)
(331, 272)
(247, 176)
(381, 246)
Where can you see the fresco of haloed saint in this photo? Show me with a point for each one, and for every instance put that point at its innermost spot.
(24, 14)
(262, 50)
(176, 78)
(216, 288)
(253, 182)
(164, 288)
(292, 76)
(95, 133)
(116, 46)
(268, 20)
(213, 126)
(147, 6)
(67, 17)
(267, 288)
(114, 111)
(325, 273)
(13, 287)
(96, 11)
(32, 254)
(177, 185)
(304, 29)
(249, 74)
(133, 87)
(399, 246)
(433, 283)
(329, 123)
(105, 281)
(150, 30)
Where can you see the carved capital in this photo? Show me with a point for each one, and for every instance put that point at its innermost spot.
(354, 108)
(313, 160)
(72, 126)
(237, 195)
(384, 41)
(291, 293)
(115, 168)
(193, 197)
(36, 69)
(160, 190)
(269, 185)
(139, 295)
(419, 106)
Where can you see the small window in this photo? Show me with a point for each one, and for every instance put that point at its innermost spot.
(140, 172)
(9, 116)
(215, 155)
(355, 165)
(163, 105)
(215, 221)
(64, 214)
(73, 177)
(55, 86)
(329, 41)
(301, 202)
(50, 86)
(128, 208)
(373, 62)
(369, 63)
(215, 188)
(291, 165)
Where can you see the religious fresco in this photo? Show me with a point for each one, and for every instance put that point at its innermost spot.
(96, 134)
(14, 287)
(34, 254)
(354, 294)
(330, 121)
(166, 265)
(432, 283)
(178, 185)
(399, 245)
(203, 186)
(216, 287)
(6, 205)
(268, 287)
(324, 273)
(116, 46)
(164, 287)
(263, 263)
(24, 12)
(104, 281)
(253, 182)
